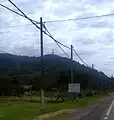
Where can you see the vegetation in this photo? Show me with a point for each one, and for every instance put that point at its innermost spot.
(22, 70)
(20, 80)
(29, 110)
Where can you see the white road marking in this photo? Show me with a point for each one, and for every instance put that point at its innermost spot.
(105, 118)
(109, 110)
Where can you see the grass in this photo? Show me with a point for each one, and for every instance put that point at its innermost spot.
(18, 111)
(28, 110)
(81, 103)
(25, 98)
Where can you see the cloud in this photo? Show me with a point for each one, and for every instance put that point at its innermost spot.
(93, 39)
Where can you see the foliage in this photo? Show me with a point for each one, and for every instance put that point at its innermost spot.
(23, 70)
(28, 111)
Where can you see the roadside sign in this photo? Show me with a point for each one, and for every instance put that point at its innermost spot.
(26, 86)
(74, 87)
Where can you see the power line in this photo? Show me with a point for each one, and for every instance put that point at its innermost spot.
(55, 41)
(65, 20)
(80, 58)
(65, 46)
(81, 18)
(31, 21)
(15, 26)
(16, 12)
(37, 26)
(54, 38)
(10, 9)
(24, 15)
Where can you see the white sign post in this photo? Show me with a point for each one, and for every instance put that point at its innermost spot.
(74, 88)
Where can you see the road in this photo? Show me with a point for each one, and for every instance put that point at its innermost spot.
(104, 110)
(109, 114)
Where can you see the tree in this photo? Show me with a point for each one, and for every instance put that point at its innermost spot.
(5, 85)
(82, 78)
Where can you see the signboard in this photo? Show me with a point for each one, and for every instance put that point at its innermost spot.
(74, 87)
(26, 86)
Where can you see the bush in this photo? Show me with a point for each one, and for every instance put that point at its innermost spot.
(80, 95)
(88, 92)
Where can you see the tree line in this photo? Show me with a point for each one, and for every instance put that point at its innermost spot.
(16, 71)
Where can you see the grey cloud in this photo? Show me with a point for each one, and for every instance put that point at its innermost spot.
(84, 41)
(69, 8)
(87, 53)
(30, 6)
(24, 50)
(96, 2)
(89, 37)
(91, 23)
(96, 23)
(111, 58)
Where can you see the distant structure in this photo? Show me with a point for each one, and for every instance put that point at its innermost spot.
(53, 51)
(92, 66)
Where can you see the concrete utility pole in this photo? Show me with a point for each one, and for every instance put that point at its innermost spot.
(72, 65)
(41, 37)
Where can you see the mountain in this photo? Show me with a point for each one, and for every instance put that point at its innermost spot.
(24, 65)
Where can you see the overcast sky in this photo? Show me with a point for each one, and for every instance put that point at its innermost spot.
(93, 39)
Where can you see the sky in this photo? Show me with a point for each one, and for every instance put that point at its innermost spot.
(93, 39)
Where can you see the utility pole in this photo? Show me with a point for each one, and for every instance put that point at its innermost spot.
(72, 65)
(41, 38)
(92, 66)
(53, 51)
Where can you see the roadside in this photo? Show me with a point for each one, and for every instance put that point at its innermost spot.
(9, 110)
(98, 111)
(71, 109)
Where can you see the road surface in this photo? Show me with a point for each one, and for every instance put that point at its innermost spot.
(109, 113)
(104, 110)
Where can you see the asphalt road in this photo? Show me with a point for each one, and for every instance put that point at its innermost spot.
(109, 113)
(104, 110)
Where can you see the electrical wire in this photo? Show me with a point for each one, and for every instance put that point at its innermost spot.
(16, 12)
(54, 38)
(24, 14)
(56, 41)
(65, 20)
(10, 9)
(34, 23)
(13, 26)
(66, 46)
(80, 58)
(30, 20)
(81, 18)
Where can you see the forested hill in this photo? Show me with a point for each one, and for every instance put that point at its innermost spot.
(27, 64)
(24, 65)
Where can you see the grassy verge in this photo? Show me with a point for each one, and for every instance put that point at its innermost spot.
(28, 110)
(80, 104)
